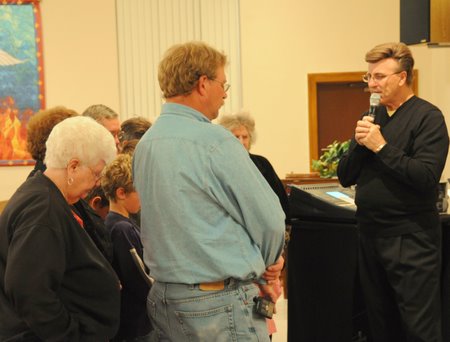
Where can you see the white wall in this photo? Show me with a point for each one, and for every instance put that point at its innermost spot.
(282, 41)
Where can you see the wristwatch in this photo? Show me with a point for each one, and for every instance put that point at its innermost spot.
(379, 148)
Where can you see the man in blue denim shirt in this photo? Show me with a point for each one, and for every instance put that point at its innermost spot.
(211, 225)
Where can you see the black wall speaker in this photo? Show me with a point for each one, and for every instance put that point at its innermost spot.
(414, 21)
(425, 21)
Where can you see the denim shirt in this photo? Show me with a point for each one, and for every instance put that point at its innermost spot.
(207, 212)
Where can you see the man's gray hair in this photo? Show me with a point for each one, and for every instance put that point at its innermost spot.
(79, 138)
(99, 112)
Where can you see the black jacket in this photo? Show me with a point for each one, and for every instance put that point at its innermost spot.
(95, 227)
(54, 283)
(93, 224)
(275, 183)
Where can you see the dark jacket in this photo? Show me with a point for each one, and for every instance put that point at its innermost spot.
(54, 283)
(95, 227)
(275, 183)
(93, 224)
(134, 321)
(39, 166)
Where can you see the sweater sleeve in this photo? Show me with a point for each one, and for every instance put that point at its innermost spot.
(350, 164)
(420, 166)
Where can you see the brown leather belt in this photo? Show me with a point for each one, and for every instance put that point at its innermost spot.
(213, 286)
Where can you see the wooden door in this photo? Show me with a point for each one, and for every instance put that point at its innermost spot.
(339, 106)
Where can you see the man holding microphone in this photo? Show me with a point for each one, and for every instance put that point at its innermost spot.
(396, 159)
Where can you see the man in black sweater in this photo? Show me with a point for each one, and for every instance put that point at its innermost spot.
(396, 160)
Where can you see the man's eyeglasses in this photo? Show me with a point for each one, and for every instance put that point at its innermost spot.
(377, 77)
(224, 85)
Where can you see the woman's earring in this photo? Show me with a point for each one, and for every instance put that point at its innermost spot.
(70, 181)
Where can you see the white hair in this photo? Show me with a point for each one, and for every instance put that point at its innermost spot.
(79, 138)
(238, 119)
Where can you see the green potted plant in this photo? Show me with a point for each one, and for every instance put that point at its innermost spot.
(327, 163)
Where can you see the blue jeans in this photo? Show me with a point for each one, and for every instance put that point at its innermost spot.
(181, 312)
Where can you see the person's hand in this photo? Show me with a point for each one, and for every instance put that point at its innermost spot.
(368, 134)
(362, 129)
(272, 291)
(273, 272)
(267, 291)
(373, 138)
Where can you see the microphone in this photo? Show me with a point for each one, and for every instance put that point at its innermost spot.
(374, 103)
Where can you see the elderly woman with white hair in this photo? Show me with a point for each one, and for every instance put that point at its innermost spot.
(55, 284)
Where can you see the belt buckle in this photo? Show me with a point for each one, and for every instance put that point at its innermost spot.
(213, 286)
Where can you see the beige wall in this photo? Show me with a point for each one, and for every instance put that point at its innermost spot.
(281, 44)
(434, 85)
(80, 63)
(282, 41)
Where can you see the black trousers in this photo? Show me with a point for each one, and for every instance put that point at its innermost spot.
(400, 279)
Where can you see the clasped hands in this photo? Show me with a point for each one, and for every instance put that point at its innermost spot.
(368, 134)
(272, 276)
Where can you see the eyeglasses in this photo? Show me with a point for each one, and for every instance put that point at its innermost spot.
(224, 84)
(97, 175)
(377, 77)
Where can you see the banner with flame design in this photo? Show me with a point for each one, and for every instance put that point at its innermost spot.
(21, 77)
